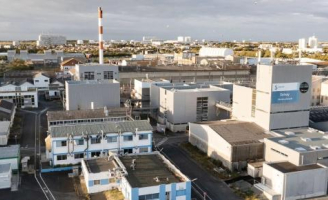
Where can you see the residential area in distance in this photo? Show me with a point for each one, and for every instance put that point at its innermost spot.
(163, 119)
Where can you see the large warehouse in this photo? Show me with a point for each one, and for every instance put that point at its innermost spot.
(232, 142)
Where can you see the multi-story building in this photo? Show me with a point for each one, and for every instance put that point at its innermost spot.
(138, 176)
(215, 52)
(94, 71)
(280, 100)
(69, 64)
(69, 144)
(23, 95)
(182, 103)
(92, 94)
(51, 40)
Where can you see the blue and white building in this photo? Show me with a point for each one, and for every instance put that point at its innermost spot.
(138, 176)
(70, 144)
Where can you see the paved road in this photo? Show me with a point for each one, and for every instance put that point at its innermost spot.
(215, 188)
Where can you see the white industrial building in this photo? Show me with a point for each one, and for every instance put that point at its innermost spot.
(138, 176)
(182, 103)
(51, 40)
(94, 71)
(141, 90)
(234, 143)
(92, 94)
(280, 100)
(70, 143)
(215, 52)
(286, 181)
(5, 176)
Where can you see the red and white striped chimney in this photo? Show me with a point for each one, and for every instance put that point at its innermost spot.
(101, 31)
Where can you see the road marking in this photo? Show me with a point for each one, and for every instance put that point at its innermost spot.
(162, 141)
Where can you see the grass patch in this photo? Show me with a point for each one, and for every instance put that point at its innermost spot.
(247, 195)
(114, 195)
(208, 163)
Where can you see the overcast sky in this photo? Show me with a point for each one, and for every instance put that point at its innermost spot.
(223, 20)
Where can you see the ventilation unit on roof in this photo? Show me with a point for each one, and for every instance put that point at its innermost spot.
(300, 149)
(325, 137)
(311, 130)
(315, 147)
(325, 145)
(283, 141)
(289, 133)
(306, 139)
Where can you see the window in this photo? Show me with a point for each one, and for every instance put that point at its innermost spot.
(89, 75)
(61, 143)
(111, 139)
(127, 151)
(95, 140)
(95, 154)
(149, 196)
(78, 155)
(127, 138)
(62, 157)
(46, 80)
(180, 193)
(279, 152)
(143, 150)
(108, 75)
(96, 182)
(143, 137)
(79, 142)
(36, 81)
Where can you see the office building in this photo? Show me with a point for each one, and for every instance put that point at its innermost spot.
(23, 94)
(92, 94)
(234, 143)
(69, 144)
(182, 103)
(93, 71)
(138, 176)
(313, 42)
(51, 40)
(302, 44)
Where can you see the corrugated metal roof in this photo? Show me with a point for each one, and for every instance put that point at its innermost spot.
(106, 127)
(9, 151)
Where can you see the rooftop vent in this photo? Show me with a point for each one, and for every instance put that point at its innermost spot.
(289, 133)
(300, 149)
(156, 179)
(283, 141)
(306, 139)
(325, 137)
(325, 145)
(315, 147)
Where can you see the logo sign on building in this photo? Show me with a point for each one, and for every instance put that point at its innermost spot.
(304, 87)
(285, 93)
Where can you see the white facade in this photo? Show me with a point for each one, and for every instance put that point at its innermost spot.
(41, 81)
(23, 96)
(5, 176)
(313, 42)
(80, 42)
(94, 71)
(50, 40)
(302, 44)
(92, 94)
(4, 132)
(292, 182)
(215, 52)
(70, 149)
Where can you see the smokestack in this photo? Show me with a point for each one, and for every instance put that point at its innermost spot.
(101, 31)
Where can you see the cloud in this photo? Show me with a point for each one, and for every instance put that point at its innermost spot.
(274, 20)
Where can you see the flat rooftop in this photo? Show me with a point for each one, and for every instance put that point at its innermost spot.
(302, 139)
(98, 128)
(11, 151)
(90, 82)
(98, 165)
(85, 114)
(287, 167)
(188, 87)
(238, 132)
(148, 167)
